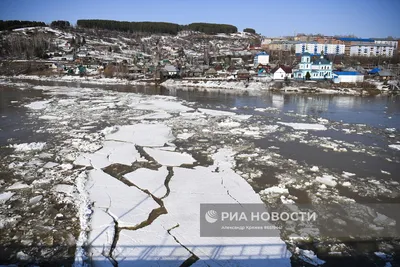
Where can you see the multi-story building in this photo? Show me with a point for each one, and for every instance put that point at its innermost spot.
(372, 50)
(261, 58)
(282, 45)
(319, 69)
(315, 48)
(392, 43)
(348, 42)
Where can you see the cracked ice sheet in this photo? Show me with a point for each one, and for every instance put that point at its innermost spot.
(169, 158)
(148, 179)
(204, 185)
(150, 246)
(112, 152)
(143, 134)
(304, 126)
(128, 205)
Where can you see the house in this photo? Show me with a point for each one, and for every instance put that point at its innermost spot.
(282, 72)
(197, 72)
(211, 72)
(261, 58)
(134, 69)
(347, 77)
(171, 70)
(385, 75)
(243, 74)
(319, 69)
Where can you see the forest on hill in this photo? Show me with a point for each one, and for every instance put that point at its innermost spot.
(155, 27)
(7, 25)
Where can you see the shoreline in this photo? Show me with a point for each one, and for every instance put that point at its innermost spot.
(253, 87)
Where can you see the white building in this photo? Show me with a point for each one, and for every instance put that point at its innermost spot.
(347, 77)
(315, 49)
(371, 50)
(387, 42)
(261, 58)
(282, 73)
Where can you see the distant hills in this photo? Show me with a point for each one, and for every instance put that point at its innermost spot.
(127, 26)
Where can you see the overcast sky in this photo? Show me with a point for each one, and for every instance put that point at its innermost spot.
(363, 18)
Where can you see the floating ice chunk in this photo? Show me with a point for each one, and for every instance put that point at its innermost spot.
(169, 158)
(314, 169)
(184, 136)
(64, 188)
(383, 255)
(128, 205)
(274, 190)
(5, 196)
(29, 146)
(304, 126)
(35, 199)
(309, 257)
(348, 174)
(328, 180)
(395, 146)
(17, 186)
(161, 104)
(346, 184)
(154, 116)
(229, 124)
(37, 105)
(385, 172)
(49, 117)
(139, 134)
(148, 179)
(109, 130)
(216, 113)
(50, 165)
(101, 235)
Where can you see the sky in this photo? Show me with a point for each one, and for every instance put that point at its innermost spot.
(363, 18)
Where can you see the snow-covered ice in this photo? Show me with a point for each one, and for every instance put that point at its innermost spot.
(169, 158)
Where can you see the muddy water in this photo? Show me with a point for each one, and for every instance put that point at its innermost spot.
(364, 126)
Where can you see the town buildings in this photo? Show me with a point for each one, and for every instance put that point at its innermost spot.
(372, 50)
(315, 48)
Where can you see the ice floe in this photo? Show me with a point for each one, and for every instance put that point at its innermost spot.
(169, 158)
(304, 126)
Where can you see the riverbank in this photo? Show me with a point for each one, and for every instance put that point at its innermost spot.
(252, 87)
(259, 85)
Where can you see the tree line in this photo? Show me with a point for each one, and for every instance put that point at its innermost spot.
(125, 26)
(154, 27)
(8, 25)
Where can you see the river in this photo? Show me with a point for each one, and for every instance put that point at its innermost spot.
(358, 144)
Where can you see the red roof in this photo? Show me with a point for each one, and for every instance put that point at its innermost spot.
(286, 69)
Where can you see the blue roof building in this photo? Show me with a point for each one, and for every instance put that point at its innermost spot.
(319, 69)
